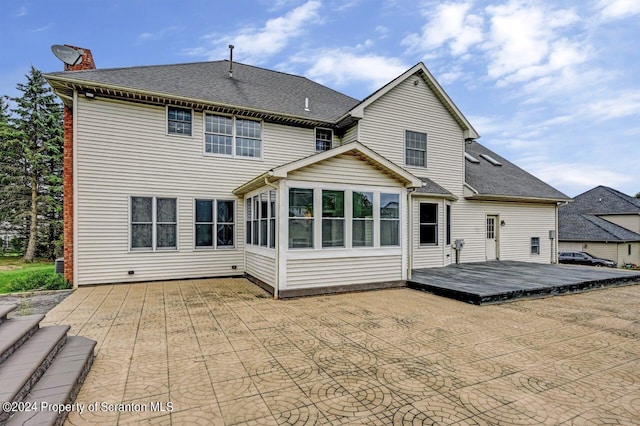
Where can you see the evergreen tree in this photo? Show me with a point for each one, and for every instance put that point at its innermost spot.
(32, 165)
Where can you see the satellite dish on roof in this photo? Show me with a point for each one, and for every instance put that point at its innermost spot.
(66, 54)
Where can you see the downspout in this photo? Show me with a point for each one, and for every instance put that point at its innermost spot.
(410, 231)
(277, 246)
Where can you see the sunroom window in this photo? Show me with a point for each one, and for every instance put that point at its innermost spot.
(389, 219)
(332, 218)
(362, 219)
(300, 218)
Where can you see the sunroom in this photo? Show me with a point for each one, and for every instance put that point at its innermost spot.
(334, 221)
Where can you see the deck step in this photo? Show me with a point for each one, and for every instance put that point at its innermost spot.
(5, 308)
(20, 372)
(59, 385)
(15, 331)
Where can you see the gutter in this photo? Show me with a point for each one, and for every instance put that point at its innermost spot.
(83, 84)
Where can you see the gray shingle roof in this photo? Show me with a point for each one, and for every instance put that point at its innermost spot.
(585, 227)
(603, 200)
(251, 87)
(432, 188)
(507, 180)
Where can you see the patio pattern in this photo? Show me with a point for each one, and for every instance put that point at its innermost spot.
(221, 351)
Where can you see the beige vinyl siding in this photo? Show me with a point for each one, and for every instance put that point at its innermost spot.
(123, 150)
(628, 221)
(261, 267)
(624, 256)
(307, 273)
(569, 246)
(350, 135)
(345, 169)
(522, 221)
(415, 107)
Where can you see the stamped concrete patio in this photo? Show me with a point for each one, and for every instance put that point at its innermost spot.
(222, 352)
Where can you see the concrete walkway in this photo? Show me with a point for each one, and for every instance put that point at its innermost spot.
(220, 352)
(500, 281)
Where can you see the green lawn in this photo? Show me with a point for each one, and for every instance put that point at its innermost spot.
(12, 267)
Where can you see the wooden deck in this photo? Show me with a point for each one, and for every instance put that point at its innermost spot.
(502, 281)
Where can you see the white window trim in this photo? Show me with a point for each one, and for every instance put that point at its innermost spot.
(154, 223)
(531, 246)
(215, 224)
(315, 138)
(438, 209)
(233, 137)
(348, 228)
(257, 248)
(166, 122)
(426, 157)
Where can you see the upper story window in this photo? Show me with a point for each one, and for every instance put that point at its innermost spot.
(179, 121)
(153, 223)
(415, 149)
(324, 139)
(232, 136)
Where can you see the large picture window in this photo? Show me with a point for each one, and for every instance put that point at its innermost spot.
(415, 149)
(389, 219)
(300, 218)
(153, 223)
(214, 224)
(428, 224)
(332, 218)
(362, 235)
(232, 136)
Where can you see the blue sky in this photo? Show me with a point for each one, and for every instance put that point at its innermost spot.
(553, 86)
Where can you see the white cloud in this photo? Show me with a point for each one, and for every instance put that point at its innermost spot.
(255, 45)
(22, 11)
(578, 176)
(623, 105)
(451, 24)
(147, 36)
(618, 9)
(525, 42)
(339, 68)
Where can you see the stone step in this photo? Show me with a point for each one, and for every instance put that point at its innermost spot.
(5, 309)
(15, 331)
(59, 385)
(20, 372)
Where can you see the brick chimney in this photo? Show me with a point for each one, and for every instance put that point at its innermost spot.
(67, 174)
(87, 60)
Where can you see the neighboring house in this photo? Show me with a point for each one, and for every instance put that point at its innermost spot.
(184, 171)
(603, 222)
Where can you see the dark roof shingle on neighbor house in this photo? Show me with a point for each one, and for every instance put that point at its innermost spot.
(250, 87)
(504, 180)
(603, 200)
(586, 227)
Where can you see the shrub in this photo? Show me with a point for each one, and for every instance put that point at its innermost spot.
(38, 280)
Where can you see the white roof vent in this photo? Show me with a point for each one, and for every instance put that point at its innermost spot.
(491, 159)
(470, 158)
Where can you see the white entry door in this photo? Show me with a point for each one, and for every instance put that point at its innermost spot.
(492, 238)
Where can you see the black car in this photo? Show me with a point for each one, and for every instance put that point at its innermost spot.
(584, 258)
